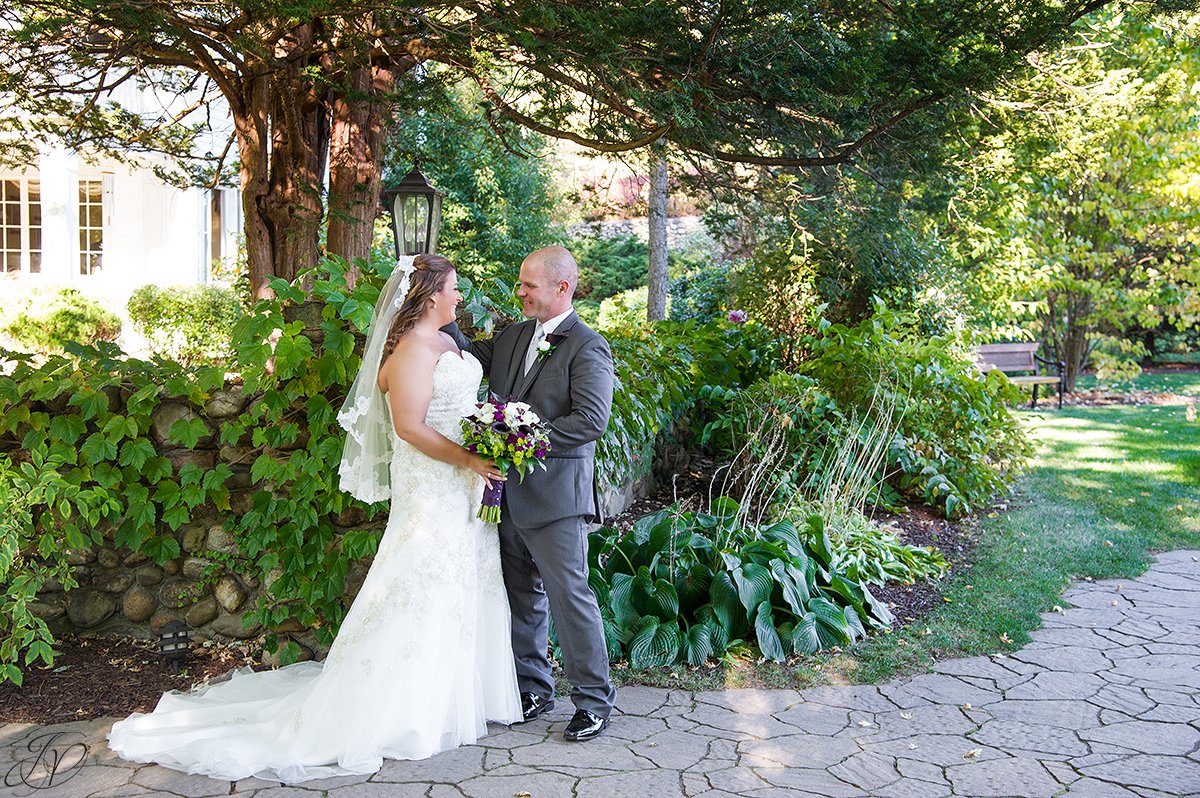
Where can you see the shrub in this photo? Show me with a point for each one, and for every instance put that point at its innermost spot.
(624, 311)
(957, 443)
(609, 266)
(700, 294)
(66, 317)
(192, 324)
(779, 289)
(650, 392)
(780, 424)
(659, 374)
(686, 586)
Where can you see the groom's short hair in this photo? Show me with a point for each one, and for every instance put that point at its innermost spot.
(559, 264)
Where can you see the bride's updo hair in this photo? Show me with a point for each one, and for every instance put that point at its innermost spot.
(429, 274)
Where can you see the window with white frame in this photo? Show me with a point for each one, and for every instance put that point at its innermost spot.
(20, 225)
(91, 225)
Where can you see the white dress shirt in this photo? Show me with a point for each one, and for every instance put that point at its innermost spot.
(540, 331)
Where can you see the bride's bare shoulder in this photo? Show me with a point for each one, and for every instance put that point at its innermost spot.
(414, 356)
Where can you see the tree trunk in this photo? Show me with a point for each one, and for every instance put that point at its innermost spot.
(282, 124)
(656, 281)
(355, 163)
(251, 119)
(1067, 332)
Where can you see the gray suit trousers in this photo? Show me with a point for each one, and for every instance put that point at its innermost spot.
(563, 591)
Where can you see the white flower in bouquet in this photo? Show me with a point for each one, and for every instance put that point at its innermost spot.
(485, 412)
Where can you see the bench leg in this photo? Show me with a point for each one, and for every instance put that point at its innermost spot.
(1035, 389)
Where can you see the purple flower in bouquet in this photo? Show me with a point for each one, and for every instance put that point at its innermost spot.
(738, 316)
(512, 436)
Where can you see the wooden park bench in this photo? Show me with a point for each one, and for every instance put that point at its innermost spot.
(1015, 359)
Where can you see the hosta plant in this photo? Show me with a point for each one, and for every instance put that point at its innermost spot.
(684, 586)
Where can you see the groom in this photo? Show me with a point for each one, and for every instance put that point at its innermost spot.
(564, 371)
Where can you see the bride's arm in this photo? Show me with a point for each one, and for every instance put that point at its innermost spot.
(408, 376)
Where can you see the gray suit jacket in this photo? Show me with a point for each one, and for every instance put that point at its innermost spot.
(571, 389)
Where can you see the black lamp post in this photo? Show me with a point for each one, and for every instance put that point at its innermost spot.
(416, 209)
(173, 643)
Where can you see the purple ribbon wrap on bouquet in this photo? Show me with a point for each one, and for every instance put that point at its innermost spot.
(489, 509)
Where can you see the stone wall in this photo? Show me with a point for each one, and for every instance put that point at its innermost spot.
(681, 230)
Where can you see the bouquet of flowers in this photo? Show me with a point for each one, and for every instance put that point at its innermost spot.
(512, 436)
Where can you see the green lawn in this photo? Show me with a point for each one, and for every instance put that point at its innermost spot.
(1108, 487)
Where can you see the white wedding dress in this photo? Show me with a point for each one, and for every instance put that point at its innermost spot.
(422, 661)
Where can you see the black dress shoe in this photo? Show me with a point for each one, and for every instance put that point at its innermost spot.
(585, 726)
(533, 705)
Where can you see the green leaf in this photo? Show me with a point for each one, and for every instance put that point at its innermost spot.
(819, 541)
(614, 637)
(698, 645)
(655, 597)
(796, 590)
(768, 638)
(118, 427)
(155, 469)
(620, 599)
(12, 673)
(754, 585)
(91, 403)
(693, 588)
(832, 628)
(67, 427)
(162, 548)
(655, 644)
(142, 400)
(804, 637)
(726, 606)
(187, 432)
(98, 449)
(135, 453)
(716, 633)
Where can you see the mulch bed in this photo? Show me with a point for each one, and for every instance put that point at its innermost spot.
(95, 677)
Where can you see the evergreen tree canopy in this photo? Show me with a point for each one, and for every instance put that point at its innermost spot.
(309, 83)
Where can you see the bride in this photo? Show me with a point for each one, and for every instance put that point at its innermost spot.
(423, 659)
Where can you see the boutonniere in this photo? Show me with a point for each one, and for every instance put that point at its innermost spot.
(548, 345)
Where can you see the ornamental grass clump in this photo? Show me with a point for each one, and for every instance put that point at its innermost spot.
(794, 463)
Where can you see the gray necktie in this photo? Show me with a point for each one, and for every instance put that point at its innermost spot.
(539, 335)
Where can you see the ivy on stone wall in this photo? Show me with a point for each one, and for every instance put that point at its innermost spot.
(83, 466)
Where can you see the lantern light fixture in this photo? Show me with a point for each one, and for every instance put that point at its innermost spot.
(416, 209)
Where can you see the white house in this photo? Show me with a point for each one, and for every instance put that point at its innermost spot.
(106, 228)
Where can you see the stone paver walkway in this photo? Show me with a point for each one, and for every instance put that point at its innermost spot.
(1102, 704)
